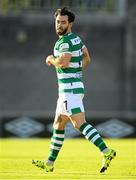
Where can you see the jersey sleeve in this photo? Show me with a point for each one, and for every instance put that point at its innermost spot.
(65, 47)
(82, 44)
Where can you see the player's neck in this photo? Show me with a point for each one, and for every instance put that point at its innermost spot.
(67, 33)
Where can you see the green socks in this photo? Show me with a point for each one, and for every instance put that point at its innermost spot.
(92, 135)
(86, 129)
(56, 144)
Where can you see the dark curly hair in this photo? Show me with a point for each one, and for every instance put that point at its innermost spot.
(65, 12)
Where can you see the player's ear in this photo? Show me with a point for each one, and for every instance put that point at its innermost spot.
(70, 24)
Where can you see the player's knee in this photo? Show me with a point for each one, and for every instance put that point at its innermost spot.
(59, 122)
(76, 125)
(58, 125)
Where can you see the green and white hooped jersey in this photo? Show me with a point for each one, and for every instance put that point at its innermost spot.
(70, 79)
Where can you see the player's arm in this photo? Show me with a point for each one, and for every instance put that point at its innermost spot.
(62, 61)
(86, 57)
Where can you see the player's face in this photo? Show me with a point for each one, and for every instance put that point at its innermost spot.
(62, 25)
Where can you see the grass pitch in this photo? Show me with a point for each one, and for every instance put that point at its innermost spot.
(78, 159)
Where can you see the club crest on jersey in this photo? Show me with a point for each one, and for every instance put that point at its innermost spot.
(64, 47)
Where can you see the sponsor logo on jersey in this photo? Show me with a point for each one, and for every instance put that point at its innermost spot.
(64, 47)
(56, 53)
(76, 41)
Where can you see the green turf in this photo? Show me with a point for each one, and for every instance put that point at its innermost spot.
(78, 159)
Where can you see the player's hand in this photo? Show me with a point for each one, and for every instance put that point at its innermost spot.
(48, 60)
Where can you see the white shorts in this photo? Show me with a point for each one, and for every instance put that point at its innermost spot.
(70, 104)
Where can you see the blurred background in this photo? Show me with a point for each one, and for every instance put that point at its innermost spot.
(28, 88)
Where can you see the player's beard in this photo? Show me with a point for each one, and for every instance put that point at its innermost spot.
(61, 31)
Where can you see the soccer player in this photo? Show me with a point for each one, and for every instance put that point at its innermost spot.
(70, 57)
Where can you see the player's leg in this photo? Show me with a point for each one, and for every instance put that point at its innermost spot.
(57, 137)
(77, 117)
(56, 143)
(88, 131)
(93, 136)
